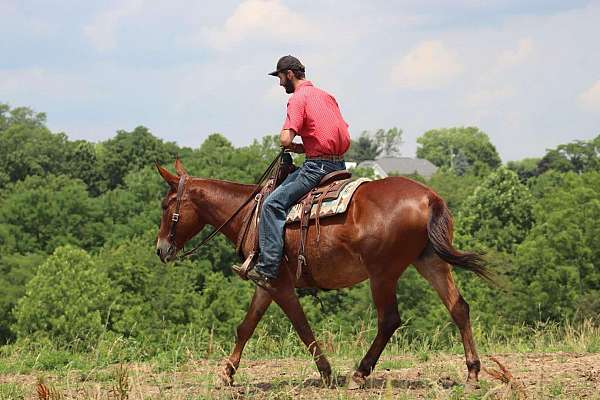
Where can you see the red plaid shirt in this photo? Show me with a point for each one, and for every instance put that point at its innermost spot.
(315, 115)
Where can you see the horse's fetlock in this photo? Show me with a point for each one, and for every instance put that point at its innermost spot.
(474, 366)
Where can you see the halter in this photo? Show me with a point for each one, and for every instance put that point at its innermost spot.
(175, 217)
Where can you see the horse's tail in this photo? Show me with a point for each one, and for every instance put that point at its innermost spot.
(439, 231)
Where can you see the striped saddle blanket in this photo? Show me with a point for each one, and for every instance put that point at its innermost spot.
(329, 207)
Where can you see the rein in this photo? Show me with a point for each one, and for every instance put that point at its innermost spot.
(180, 189)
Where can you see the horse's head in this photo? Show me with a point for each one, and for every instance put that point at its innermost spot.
(181, 218)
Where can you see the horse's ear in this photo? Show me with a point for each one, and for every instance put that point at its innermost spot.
(171, 179)
(179, 167)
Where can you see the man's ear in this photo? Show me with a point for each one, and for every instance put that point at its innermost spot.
(171, 179)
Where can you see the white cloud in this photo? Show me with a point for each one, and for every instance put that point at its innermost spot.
(102, 31)
(489, 96)
(42, 83)
(266, 18)
(513, 57)
(590, 99)
(429, 65)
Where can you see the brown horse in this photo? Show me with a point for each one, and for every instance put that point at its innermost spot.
(390, 224)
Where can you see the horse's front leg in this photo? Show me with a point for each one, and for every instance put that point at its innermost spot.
(285, 296)
(258, 306)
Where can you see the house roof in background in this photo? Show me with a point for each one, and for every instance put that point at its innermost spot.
(401, 165)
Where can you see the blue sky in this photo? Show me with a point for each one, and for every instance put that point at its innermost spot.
(525, 72)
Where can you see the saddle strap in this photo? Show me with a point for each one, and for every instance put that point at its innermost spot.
(318, 211)
(239, 247)
(304, 221)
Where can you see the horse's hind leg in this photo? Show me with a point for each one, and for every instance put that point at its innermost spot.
(439, 274)
(259, 304)
(383, 291)
(286, 298)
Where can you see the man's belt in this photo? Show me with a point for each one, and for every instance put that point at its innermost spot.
(327, 157)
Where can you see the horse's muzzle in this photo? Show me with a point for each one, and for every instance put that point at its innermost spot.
(165, 251)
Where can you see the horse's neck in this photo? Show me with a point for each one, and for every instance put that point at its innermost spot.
(218, 200)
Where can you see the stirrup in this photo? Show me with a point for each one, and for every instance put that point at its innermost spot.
(248, 264)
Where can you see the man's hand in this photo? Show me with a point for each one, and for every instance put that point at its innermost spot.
(286, 136)
(296, 148)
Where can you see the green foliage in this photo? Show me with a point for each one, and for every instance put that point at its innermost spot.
(558, 262)
(363, 149)
(223, 303)
(459, 149)
(526, 168)
(68, 299)
(453, 188)
(151, 296)
(20, 116)
(30, 150)
(498, 214)
(43, 213)
(129, 151)
(389, 141)
(363, 172)
(15, 271)
(578, 156)
(370, 146)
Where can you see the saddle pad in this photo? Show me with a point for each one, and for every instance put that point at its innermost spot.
(329, 207)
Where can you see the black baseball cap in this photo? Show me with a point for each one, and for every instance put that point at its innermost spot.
(288, 62)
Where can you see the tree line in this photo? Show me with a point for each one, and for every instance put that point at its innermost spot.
(78, 223)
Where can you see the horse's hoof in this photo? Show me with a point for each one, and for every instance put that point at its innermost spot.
(357, 381)
(472, 385)
(224, 379)
(327, 381)
(226, 374)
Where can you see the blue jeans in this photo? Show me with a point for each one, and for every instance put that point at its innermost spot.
(276, 206)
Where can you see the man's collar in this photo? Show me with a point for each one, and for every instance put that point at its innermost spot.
(304, 83)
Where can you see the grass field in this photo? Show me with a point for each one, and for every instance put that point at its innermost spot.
(548, 362)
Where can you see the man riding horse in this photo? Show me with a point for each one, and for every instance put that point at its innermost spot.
(388, 225)
(314, 115)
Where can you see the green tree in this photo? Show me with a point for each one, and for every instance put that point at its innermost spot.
(578, 156)
(558, 262)
(453, 188)
(31, 150)
(389, 141)
(363, 149)
(20, 116)
(152, 297)
(526, 168)
(442, 146)
(15, 271)
(498, 214)
(82, 163)
(67, 300)
(43, 213)
(129, 151)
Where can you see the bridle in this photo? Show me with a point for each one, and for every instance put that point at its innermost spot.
(180, 192)
(175, 216)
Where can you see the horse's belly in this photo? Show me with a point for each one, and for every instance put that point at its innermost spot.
(334, 267)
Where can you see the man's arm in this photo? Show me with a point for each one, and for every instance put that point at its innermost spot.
(286, 137)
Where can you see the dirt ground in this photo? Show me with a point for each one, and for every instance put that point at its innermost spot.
(532, 376)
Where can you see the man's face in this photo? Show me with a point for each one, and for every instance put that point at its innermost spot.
(285, 80)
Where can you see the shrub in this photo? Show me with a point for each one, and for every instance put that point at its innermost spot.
(67, 300)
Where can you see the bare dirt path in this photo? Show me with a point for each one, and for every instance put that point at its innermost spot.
(532, 376)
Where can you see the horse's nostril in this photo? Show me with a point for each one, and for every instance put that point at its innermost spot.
(158, 252)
